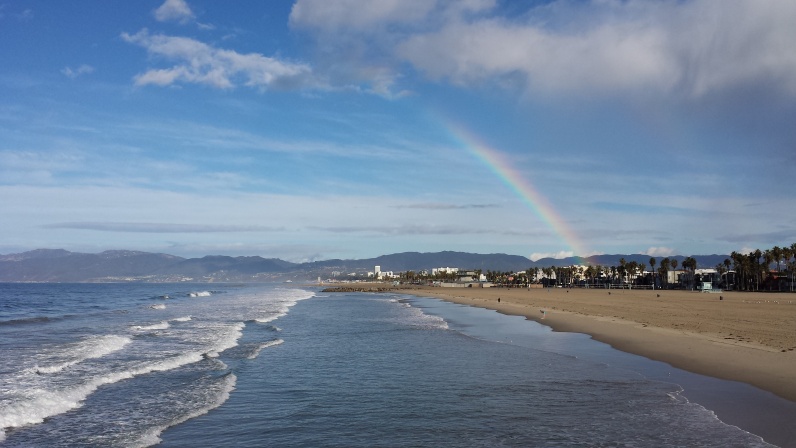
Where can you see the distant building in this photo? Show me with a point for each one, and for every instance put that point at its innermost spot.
(379, 274)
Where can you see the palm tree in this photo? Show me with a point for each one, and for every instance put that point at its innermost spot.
(738, 263)
(631, 267)
(665, 264)
(622, 269)
(727, 270)
(757, 267)
(787, 254)
(674, 267)
(792, 265)
(768, 258)
(686, 266)
(693, 263)
(652, 268)
(776, 253)
(720, 269)
(590, 273)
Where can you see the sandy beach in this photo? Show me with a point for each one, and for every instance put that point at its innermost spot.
(740, 336)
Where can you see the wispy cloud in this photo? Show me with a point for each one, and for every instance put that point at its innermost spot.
(441, 206)
(354, 14)
(151, 227)
(425, 229)
(25, 16)
(74, 73)
(786, 236)
(200, 63)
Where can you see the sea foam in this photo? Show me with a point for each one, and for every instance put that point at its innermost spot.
(159, 326)
(152, 436)
(200, 294)
(93, 347)
(256, 351)
(36, 404)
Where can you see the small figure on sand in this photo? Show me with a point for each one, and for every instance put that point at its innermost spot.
(544, 313)
(498, 299)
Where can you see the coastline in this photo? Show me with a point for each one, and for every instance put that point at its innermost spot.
(746, 337)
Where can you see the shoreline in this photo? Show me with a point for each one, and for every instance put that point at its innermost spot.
(745, 337)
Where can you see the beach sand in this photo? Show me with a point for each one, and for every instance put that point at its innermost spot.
(740, 336)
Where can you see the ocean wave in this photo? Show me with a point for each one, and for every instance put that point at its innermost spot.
(417, 318)
(227, 340)
(94, 347)
(271, 318)
(40, 404)
(158, 306)
(159, 326)
(37, 404)
(152, 436)
(200, 294)
(259, 348)
(181, 319)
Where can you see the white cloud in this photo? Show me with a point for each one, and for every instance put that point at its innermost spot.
(158, 227)
(355, 14)
(199, 63)
(557, 255)
(689, 48)
(659, 251)
(174, 10)
(607, 58)
(74, 73)
(356, 40)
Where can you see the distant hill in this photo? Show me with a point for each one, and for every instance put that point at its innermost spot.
(46, 265)
(58, 265)
(416, 261)
(213, 264)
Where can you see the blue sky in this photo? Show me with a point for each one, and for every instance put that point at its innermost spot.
(317, 129)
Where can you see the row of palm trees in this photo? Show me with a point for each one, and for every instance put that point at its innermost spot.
(754, 268)
(631, 272)
(750, 272)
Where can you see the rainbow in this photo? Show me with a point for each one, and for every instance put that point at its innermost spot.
(520, 186)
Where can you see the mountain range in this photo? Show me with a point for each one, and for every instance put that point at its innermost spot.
(58, 265)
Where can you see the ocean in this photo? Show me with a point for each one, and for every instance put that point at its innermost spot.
(186, 365)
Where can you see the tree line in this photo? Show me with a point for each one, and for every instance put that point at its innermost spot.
(744, 272)
(753, 270)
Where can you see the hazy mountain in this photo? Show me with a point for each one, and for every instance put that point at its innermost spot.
(46, 265)
(416, 261)
(58, 265)
(213, 264)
